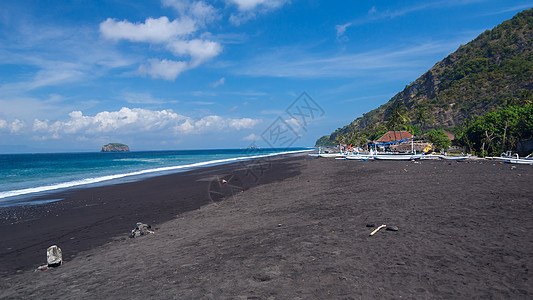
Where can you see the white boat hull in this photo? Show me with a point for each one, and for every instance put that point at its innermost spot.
(397, 156)
(430, 156)
(519, 161)
(451, 157)
(359, 157)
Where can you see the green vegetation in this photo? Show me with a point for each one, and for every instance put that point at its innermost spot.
(439, 139)
(492, 72)
(498, 131)
(325, 141)
(397, 116)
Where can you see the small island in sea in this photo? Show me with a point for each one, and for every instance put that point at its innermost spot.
(115, 147)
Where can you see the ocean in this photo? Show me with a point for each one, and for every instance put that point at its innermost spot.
(26, 176)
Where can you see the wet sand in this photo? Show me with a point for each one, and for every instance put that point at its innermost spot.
(465, 230)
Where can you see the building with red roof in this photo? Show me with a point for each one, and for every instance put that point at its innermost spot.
(393, 136)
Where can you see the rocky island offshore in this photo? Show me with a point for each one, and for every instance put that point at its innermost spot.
(115, 147)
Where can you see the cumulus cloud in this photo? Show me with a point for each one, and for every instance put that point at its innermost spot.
(135, 120)
(215, 123)
(199, 50)
(152, 30)
(242, 123)
(14, 127)
(175, 35)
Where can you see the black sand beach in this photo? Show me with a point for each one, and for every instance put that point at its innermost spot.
(465, 231)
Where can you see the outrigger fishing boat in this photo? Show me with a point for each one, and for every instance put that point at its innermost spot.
(328, 154)
(396, 156)
(360, 156)
(508, 157)
(520, 161)
(528, 160)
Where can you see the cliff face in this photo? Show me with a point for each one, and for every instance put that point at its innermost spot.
(115, 147)
(490, 72)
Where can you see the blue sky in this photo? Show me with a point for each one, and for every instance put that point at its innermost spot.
(183, 74)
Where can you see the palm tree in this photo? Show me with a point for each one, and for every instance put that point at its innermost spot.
(397, 116)
(421, 117)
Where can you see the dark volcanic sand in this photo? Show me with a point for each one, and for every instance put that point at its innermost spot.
(465, 231)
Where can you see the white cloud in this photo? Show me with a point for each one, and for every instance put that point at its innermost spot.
(251, 137)
(16, 126)
(293, 123)
(165, 69)
(136, 120)
(247, 5)
(341, 29)
(152, 30)
(39, 125)
(248, 9)
(174, 35)
(242, 123)
(221, 81)
(198, 10)
(199, 50)
(56, 76)
(216, 123)
(3, 124)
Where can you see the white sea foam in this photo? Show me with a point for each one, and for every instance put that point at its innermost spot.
(93, 180)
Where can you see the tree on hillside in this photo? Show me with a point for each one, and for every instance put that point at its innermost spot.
(397, 116)
(420, 116)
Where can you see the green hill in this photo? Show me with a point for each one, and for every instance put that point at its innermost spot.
(493, 71)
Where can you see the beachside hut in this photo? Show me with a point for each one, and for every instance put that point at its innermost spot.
(393, 136)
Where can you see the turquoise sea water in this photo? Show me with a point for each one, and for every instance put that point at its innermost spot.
(27, 175)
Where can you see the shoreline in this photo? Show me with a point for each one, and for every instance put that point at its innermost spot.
(85, 218)
(465, 231)
(14, 196)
